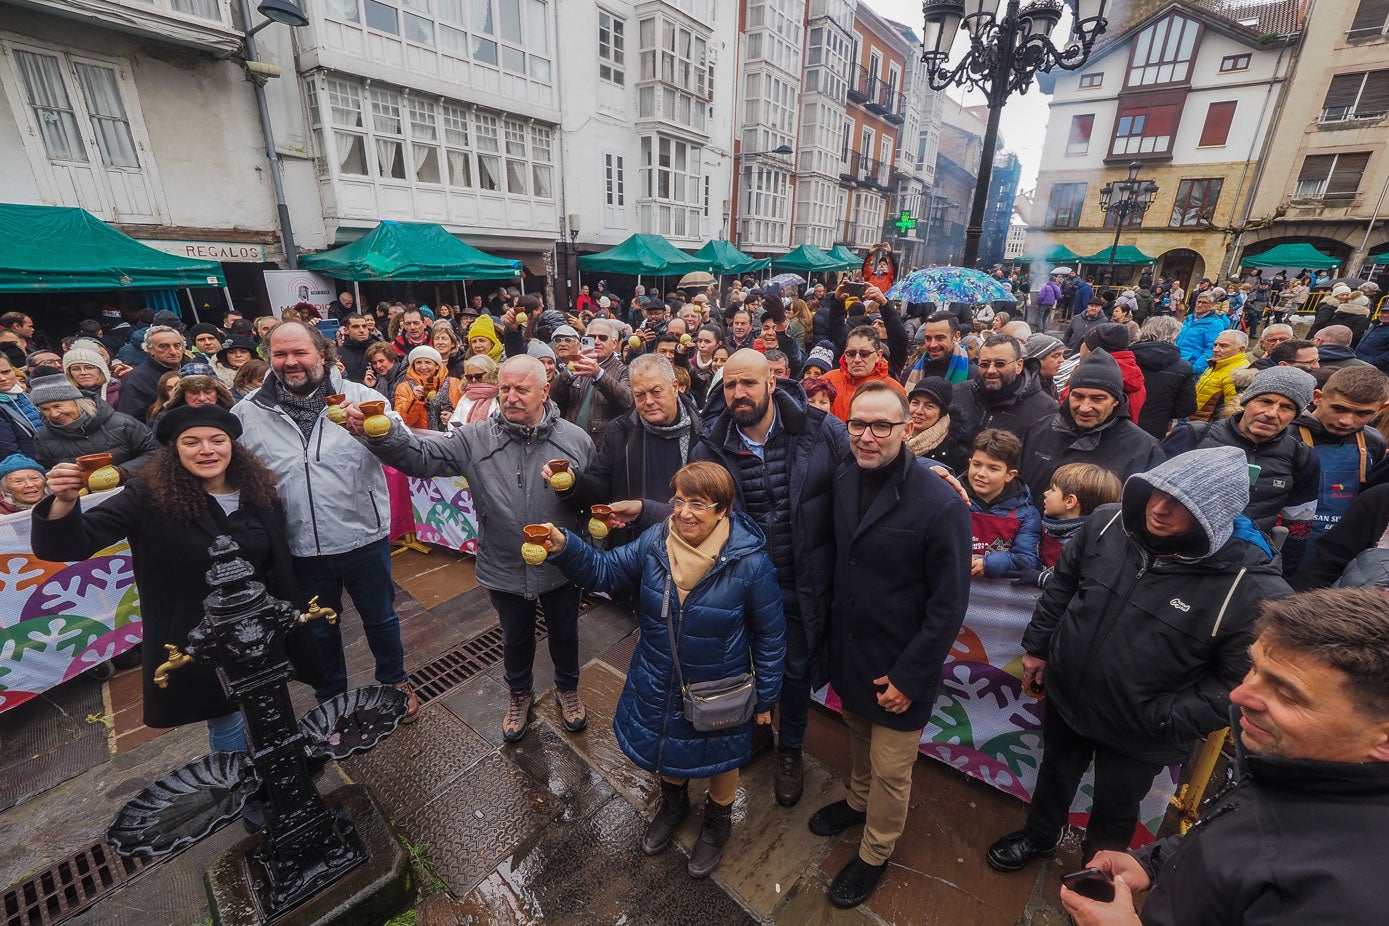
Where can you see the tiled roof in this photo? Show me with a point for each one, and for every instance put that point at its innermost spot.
(1251, 17)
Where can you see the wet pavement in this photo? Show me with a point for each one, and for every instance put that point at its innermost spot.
(547, 830)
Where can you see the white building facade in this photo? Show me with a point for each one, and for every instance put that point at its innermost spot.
(829, 51)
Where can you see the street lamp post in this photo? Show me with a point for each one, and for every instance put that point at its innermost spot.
(1121, 199)
(1009, 44)
(288, 13)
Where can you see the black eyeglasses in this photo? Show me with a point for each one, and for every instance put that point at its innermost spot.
(475, 377)
(880, 429)
(602, 337)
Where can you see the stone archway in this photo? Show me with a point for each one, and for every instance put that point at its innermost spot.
(1181, 265)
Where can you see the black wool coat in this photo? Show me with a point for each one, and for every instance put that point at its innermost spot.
(901, 587)
(170, 560)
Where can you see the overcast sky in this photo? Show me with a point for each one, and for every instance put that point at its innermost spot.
(1021, 115)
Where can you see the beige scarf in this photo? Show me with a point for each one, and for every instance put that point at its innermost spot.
(929, 439)
(689, 564)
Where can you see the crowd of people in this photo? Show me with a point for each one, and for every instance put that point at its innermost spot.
(796, 486)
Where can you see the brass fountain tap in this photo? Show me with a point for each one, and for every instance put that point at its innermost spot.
(177, 660)
(315, 612)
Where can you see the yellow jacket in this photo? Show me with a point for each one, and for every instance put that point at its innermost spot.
(1215, 388)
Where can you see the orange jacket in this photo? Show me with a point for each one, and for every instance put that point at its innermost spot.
(416, 413)
(844, 385)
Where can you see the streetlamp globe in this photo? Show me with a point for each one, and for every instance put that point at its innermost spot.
(286, 12)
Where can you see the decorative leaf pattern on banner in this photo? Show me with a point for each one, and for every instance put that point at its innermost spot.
(444, 512)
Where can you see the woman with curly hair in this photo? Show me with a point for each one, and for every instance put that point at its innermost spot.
(200, 485)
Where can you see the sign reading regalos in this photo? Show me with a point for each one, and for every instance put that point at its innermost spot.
(223, 251)
(290, 287)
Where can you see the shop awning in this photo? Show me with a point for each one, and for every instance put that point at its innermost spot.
(1380, 258)
(847, 259)
(59, 249)
(411, 251)
(725, 258)
(1056, 254)
(643, 255)
(1125, 255)
(1291, 255)
(808, 259)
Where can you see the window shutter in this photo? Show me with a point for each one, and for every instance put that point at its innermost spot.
(1217, 128)
(1345, 177)
(1374, 99)
(1370, 16)
(1340, 98)
(1315, 167)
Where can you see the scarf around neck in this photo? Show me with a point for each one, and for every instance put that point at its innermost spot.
(931, 438)
(689, 564)
(482, 395)
(683, 428)
(303, 409)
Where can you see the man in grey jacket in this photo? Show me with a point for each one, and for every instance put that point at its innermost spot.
(336, 506)
(504, 459)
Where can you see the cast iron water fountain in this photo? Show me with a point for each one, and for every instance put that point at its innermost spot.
(308, 844)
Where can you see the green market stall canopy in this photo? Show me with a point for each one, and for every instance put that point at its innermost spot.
(848, 260)
(60, 249)
(1125, 255)
(643, 255)
(723, 257)
(808, 259)
(1056, 254)
(410, 251)
(1291, 255)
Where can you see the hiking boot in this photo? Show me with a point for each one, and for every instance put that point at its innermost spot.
(833, 819)
(518, 716)
(675, 807)
(412, 703)
(713, 836)
(790, 777)
(855, 882)
(571, 710)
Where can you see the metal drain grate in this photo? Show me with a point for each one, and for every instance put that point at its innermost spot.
(68, 887)
(472, 658)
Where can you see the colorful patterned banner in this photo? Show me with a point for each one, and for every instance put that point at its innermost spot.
(59, 619)
(983, 723)
(444, 512)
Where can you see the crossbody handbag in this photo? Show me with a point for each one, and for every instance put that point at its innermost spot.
(714, 705)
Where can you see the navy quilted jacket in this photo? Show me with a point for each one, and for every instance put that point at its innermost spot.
(731, 621)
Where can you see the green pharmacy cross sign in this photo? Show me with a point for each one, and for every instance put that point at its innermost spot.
(905, 222)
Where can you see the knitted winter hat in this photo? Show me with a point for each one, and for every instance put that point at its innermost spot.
(1292, 382)
(1110, 336)
(822, 356)
(1213, 485)
(425, 352)
(233, 342)
(204, 328)
(937, 389)
(1039, 345)
(85, 355)
(53, 389)
(1098, 371)
(196, 368)
(539, 350)
(16, 462)
(1341, 289)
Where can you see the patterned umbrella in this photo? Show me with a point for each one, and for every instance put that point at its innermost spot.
(950, 284)
(783, 280)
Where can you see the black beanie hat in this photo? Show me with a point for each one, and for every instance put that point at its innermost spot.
(1098, 371)
(175, 421)
(1110, 336)
(204, 328)
(938, 388)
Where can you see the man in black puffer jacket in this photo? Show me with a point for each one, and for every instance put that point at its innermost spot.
(783, 454)
(1138, 639)
(1004, 394)
(1168, 379)
(1299, 836)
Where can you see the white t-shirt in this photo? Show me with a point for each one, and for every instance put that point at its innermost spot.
(229, 501)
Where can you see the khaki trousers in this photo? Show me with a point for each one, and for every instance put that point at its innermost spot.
(880, 784)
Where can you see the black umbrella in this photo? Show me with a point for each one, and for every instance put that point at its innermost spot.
(1352, 282)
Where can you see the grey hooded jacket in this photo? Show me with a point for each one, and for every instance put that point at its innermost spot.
(502, 463)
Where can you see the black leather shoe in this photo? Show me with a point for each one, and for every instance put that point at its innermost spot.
(790, 777)
(1014, 851)
(675, 807)
(852, 886)
(833, 819)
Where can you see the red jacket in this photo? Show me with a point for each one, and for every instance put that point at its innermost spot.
(844, 385)
(1134, 389)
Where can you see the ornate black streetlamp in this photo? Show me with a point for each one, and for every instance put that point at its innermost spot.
(1122, 199)
(1009, 43)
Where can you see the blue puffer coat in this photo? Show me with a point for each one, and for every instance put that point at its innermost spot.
(1198, 335)
(732, 616)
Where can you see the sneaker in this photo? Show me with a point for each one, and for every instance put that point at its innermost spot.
(675, 807)
(412, 704)
(833, 819)
(518, 716)
(1014, 851)
(855, 882)
(790, 777)
(571, 710)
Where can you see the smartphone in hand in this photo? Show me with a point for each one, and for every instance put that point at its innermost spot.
(1092, 883)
